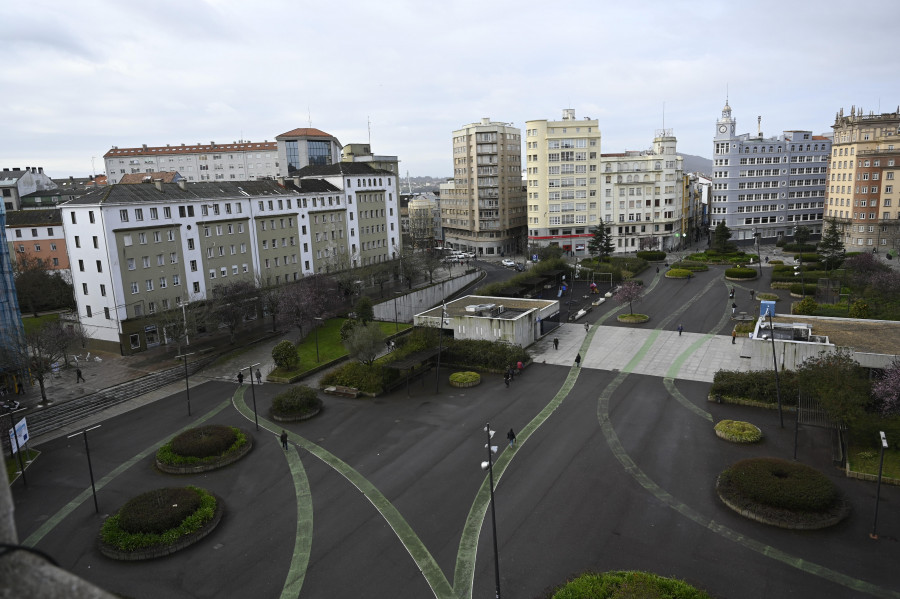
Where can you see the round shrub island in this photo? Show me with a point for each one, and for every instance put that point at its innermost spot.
(203, 448)
(632, 318)
(738, 431)
(651, 255)
(769, 297)
(297, 403)
(678, 273)
(782, 493)
(625, 585)
(465, 379)
(160, 522)
(741, 273)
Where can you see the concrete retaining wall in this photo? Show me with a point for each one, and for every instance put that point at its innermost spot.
(419, 300)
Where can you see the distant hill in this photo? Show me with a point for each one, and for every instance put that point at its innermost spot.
(697, 164)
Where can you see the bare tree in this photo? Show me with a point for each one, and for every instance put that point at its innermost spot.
(271, 298)
(233, 303)
(629, 292)
(410, 264)
(364, 343)
(46, 345)
(302, 301)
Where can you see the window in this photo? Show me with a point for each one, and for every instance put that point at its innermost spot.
(88, 310)
(77, 240)
(142, 238)
(196, 287)
(84, 288)
(163, 283)
(106, 313)
(126, 239)
(134, 287)
(99, 266)
(96, 242)
(131, 264)
(149, 284)
(160, 260)
(193, 266)
(138, 214)
(167, 212)
(154, 214)
(176, 280)
(123, 215)
(103, 290)
(146, 261)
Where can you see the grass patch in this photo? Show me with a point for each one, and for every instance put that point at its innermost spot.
(626, 585)
(632, 318)
(12, 464)
(32, 324)
(866, 460)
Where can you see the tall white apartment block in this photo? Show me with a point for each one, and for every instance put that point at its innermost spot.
(562, 170)
(484, 210)
(642, 196)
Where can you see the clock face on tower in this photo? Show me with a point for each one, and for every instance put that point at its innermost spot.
(722, 128)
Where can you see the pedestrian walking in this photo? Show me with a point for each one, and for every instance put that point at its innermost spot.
(284, 438)
(733, 336)
(578, 360)
(657, 270)
(240, 378)
(258, 377)
(78, 377)
(512, 372)
(520, 366)
(555, 343)
(506, 379)
(731, 293)
(767, 259)
(512, 437)
(587, 327)
(680, 330)
(752, 293)
(733, 308)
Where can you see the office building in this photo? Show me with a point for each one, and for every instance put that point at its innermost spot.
(562, 171)
(863, 174)
(485, 210)
(26, 188)
(767, 185)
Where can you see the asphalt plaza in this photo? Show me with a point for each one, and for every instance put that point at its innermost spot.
(613, 469)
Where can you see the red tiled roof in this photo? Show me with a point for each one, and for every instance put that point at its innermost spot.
(248, 146)
(303, 133)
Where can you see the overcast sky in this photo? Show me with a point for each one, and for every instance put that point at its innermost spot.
(80, 77)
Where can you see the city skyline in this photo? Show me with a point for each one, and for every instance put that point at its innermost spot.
(81, 79)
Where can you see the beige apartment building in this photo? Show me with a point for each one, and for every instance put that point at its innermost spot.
(563, 186)
(484, 211)
(861, 194)
(643, 196)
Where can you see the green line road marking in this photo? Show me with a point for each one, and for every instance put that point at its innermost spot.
(303, 538)
(420, 554)
(59, 516)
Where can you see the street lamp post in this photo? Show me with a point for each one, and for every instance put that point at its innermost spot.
(756, 235)
(187, 387)
(775, 363)
(253, 391)
(15, 439)
(87, 451)
(884, 445)
(437, 378)
(489, 466)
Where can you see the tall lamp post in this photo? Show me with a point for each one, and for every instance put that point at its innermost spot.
(884, 445)
(187, 387)
(489, 466)
(437, 378)
(757, 235)
(775, 363)
(253, 391)
(87, 451)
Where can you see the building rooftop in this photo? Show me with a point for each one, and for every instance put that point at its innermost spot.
(867, 336)
(341, 168)
(25, 218)
(304, 132)
(202, 190)
(512, 307)
(136, 178)
(244, 146)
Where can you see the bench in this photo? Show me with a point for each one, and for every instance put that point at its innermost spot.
(599, 301)
(342, 391)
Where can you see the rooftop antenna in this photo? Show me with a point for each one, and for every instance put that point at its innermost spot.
(726, 93)
(309, 116)
(408, 184)
(664, 116)
(759, 126)
(369, 124)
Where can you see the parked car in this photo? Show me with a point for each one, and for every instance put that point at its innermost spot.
(508, 263)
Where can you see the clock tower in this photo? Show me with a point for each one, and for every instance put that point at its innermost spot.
(725, 126)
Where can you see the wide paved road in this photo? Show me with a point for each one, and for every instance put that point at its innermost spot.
(385, 497)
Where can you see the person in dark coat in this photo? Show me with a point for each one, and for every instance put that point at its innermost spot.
(680, 330)
(555, 343)
(78, 376)
(578, 360)
(506, 378)
(284, 438)
(258, 377)
(240, 378)
(511, 436)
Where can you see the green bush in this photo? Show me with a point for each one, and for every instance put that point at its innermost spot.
(798, 247)
(859, 309)
(738, 431)
(167, 455)
(678, 273)
(741, 273)
(369, 378)
(651, 255)
(691, 265)
(297, 400)
(808, 258)
(480, 354)
(626, 585)
(204, 441)
(808, 289)
(464, 378)
(347, 329)
(864, 430)
(159, 510)
(285, 355)
(756, 385)
(781, 242)
(779, 484)
(113, 534)
(807, 306)
(776, 262)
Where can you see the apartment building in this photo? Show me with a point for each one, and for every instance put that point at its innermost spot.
(139, 252)
(767, 185)
(863, 173)
(12, 334)
(24, 188)
(38, 234)
(563, 181)
(484, 211)
(643, 196)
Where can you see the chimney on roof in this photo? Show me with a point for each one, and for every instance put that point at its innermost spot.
(144, 146)
(158, 184)
(41, 170)
(181, 184)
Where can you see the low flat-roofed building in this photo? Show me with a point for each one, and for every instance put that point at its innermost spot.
(512, 320)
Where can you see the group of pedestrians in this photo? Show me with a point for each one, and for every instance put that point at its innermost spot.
(258, 374)
(511, 372)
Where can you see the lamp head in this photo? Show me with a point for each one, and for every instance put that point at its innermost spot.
(485, 465)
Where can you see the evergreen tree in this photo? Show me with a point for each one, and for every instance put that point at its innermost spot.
(831, 248)
(601, 242)
(721, 236)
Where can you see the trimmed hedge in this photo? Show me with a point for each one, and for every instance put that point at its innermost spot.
(756, 385)
(741, 273)
(678, 273)
(779, 484)
(297, 401)
(368, 378)
(798, 247)
(149, 511)
(194, 444)
(465, 379)
(285, 355)
(738, 431)
(691, 266)
(651, 255)
(204, 441)
(626, 585)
